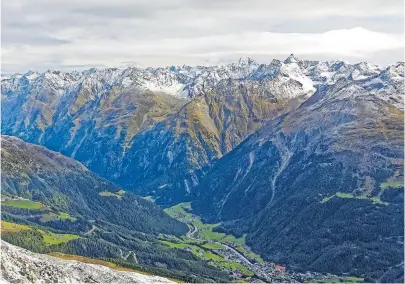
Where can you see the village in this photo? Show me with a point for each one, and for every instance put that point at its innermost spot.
(267, 271)
(8, 198)
(241, 263)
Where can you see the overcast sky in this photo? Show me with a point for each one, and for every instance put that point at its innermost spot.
(78, 34)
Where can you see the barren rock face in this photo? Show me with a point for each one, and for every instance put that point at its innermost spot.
(21, 266)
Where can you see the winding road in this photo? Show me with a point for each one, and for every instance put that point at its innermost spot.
(91, 230)
(236, 253)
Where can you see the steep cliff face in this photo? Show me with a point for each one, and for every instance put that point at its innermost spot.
(22, 266)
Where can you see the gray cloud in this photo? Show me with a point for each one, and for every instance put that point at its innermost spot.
(64, 34)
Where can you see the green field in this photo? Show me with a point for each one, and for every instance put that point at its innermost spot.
(387, 184)
(64, 216)
(117, 194)
(60, 216)
(196, 250)
(213, 246)
(55, 239)
(49, 237)
(179, 212)
(249, 254)
(205, 231)
(334, 279)
(182, 212)
(25, 204)
(205, 252)
(354, 279)
(344, 195)
(374, 199)
(8, 227)
(235, 266)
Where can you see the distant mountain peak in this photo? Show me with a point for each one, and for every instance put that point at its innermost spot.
(187, 81)
(291, 59)
(244, 60)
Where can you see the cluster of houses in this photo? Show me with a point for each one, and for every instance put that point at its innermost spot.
(7, 198)
(269, 271)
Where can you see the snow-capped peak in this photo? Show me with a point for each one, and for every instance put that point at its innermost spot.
(291, 59)
(298, 76)
(243, 61)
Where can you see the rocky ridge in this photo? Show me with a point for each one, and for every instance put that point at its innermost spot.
(19, 265)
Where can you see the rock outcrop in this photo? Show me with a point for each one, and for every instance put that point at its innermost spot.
(19, 265)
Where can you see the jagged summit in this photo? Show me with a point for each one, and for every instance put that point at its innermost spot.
(291, 59)
(244, 60)
(190, 81)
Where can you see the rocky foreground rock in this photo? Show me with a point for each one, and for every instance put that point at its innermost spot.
(19, 265)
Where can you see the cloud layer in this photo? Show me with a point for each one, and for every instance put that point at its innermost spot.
(40, 34)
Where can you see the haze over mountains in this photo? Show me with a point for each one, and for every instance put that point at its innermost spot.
(304, 157)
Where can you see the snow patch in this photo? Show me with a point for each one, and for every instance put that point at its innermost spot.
(170, 157)
(186, 186)
(175, 89)
(126, 82)
(162, 186)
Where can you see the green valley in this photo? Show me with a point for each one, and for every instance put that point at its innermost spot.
(53, 204)
(282, 171)
(230, 253)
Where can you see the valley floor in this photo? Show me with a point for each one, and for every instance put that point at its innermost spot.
(227, 252)
(232, 254)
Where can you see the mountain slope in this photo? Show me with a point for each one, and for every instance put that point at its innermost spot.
(90, 120)
(100, 117)
(306, 157)
(64, 185)
(162, 160)
(20, 265)
(51, 203)
(319, 188)
(130, 127)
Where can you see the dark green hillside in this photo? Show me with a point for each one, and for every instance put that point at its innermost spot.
(320, 188)
(51, 203)
(64, 185)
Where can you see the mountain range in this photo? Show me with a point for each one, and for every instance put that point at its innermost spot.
(304, 157)
(191, 115)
